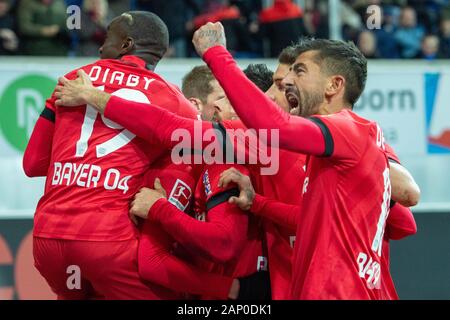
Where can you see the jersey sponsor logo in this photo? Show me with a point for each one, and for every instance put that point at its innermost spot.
(180, 195)
(206, 183)
(88, 176)
(369, 270)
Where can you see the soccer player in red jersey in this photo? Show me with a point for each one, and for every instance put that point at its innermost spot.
(225, 241)
(346, 193)
(201, 88)
(94, 166)
(161, 259)
(148, 116)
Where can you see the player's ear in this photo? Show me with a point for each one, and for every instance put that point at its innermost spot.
(127, 46)
(196, 103)
(335, 85)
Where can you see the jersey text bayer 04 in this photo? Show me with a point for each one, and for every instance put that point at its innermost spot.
(96, 165)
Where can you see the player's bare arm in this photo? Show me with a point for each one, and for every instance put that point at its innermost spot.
(403, 187)
(72, 93)
(247, 192)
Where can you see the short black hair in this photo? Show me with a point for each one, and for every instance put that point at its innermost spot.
(260, 75)
(338, 57)
(147, 30)
(197, 83)
(287, 56)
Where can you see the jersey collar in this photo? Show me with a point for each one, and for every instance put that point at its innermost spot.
(136, 61)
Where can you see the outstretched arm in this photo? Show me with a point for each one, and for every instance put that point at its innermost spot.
(148, 121)
(220, 238)
(279, 212)
(295, 133)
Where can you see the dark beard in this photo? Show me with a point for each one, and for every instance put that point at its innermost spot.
(309, 103)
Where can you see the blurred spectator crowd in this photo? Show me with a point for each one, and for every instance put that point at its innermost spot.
(409, 29)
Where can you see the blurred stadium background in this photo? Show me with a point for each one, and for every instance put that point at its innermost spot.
(408, 93)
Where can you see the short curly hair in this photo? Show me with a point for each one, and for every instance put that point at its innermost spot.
(260, 75)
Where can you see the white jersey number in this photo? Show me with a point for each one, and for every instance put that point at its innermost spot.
(117, 141)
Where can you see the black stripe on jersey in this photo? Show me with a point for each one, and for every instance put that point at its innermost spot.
(189, 151)
(48, 114)
(223, 139)
(394, 161)
(329, 143)
(392, 204)
(221, 198)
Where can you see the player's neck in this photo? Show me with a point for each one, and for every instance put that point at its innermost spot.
(150, 60)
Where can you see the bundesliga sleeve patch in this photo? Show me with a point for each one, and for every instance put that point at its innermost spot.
(180, 195)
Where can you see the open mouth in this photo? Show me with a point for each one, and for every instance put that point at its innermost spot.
(293, 100)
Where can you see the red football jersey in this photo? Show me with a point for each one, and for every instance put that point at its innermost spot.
(346, 197)
(285, 186)
(252, 257)
(96, 165)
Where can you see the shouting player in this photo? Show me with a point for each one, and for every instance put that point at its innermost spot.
(346, 193)
(94, 167)
(146, 122)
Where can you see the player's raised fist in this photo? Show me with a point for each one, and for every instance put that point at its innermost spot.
(207, 36)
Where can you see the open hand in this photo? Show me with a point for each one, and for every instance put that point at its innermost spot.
(71, 93)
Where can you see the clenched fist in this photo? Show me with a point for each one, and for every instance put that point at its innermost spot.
(145, 199)
(207, 36)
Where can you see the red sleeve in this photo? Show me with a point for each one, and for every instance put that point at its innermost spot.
(400, 223)
(222, 235)
(390, 153)
(279, 212)
(156, 124)
(295, 133)
(220, 238)
(158, 265)
(36, 158)
(156, 260)
(346, 138)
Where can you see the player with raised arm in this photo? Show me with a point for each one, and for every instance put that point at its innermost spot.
(346, 193)
(313, 132)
